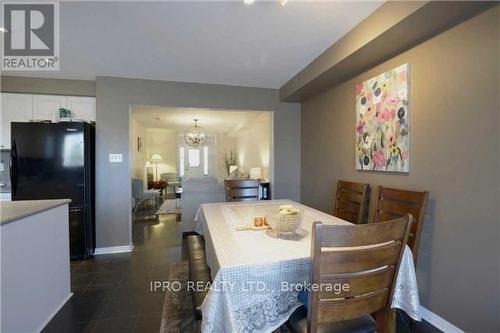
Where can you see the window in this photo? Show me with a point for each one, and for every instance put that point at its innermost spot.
(194, 157)
(205, 161)
(181, 161)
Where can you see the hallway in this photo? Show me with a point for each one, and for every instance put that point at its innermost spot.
(111, 292)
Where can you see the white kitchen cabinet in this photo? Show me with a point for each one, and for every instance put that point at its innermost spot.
(82, 107)
(18, 107)
(46, 107)
(15, 107)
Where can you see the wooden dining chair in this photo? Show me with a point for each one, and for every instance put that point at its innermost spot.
(393, 203)
(365, 258)
(351, 201)
(242, 190)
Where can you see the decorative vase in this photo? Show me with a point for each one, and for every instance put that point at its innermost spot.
(64, 113)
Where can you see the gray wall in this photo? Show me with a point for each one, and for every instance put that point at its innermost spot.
(114, 98)
(37, 85)
(454, 111)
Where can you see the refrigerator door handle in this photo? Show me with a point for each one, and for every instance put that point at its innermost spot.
(13, 166)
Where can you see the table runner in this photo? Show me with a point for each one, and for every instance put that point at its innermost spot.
(253, 271)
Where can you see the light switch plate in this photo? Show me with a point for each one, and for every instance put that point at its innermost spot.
(115, 158)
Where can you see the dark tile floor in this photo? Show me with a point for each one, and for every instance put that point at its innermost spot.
(111, 292)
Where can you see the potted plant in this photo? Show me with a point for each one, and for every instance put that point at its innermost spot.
(230, 160)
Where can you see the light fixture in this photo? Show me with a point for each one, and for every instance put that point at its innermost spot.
(283, 2)
(255, 173)
(195, 135)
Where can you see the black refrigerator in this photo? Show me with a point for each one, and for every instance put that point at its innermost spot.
(57, 161)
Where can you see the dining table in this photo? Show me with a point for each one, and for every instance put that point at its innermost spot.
(257, 274)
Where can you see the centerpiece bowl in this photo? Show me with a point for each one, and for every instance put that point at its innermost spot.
(286, 219)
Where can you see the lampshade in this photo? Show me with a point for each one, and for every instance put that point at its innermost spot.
(255, 173)
(156, 158)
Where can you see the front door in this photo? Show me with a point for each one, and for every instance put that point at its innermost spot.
(193, 162)
(197, 162)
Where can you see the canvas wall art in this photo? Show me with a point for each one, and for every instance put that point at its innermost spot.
(382, 122)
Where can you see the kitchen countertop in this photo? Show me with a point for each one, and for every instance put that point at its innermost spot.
(11, 211)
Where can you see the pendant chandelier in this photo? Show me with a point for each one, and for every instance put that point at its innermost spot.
(195, 135)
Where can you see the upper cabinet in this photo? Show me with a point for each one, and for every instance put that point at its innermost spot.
(15, 107)
(46, 107)
(82, 107)
(26, 107)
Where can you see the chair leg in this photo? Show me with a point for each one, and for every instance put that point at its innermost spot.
(386, 320)
(197, 326)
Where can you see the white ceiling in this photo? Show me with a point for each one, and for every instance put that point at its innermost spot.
(261, 45)
(179, 119)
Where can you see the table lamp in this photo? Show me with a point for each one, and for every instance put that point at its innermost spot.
(256, 173)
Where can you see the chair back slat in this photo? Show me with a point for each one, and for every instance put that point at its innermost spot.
(394, 203)
(242, 199)
(351, 196)
(347, 216)
(383, 216)
(349, 207)
(370, 234)
(351, 261)
(249, 192)
(398, 208)
(242, 190)
(351, 308)
(359, 283)
(364, 257)
(351, 201)
(400, 195)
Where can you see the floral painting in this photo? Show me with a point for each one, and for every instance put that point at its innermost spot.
(382, 122)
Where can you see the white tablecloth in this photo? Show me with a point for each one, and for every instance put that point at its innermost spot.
(249, 267)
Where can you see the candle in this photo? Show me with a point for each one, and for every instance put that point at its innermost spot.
(258, 221)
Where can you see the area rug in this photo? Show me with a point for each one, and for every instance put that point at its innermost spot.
(177, 313)
(169, 207)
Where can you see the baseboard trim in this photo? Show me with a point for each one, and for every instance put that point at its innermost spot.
(439, 322)
(113, 249)
(52, 315)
